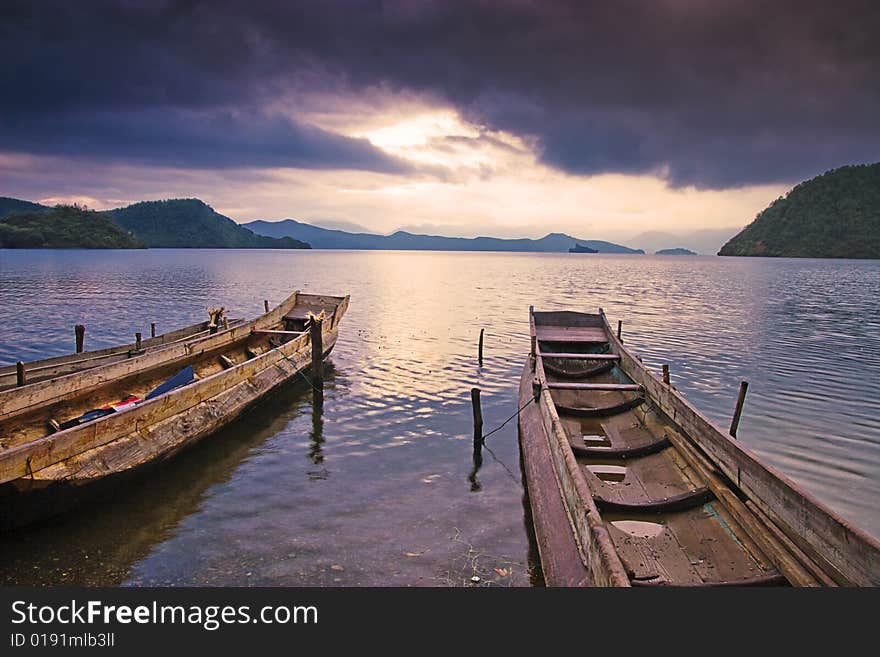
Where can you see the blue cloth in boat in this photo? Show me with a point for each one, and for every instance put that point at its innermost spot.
(182, 378)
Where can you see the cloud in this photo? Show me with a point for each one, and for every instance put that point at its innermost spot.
(712, 94)
(208, 139)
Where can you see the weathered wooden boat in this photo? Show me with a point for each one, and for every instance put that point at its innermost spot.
(50, 368)
(63, 436)
(630, 485)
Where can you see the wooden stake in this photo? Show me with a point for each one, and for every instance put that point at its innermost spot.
(665, 373)
(317, 339)
(480, 357)
(80, 337)
(619, 329)
(153, 330)
(534, 351)
(266, 304)
(734, 425)
(20, 374)
(478, 417)
(137, 342)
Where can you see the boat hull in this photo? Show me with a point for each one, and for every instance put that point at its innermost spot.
(72, 463)
(560, 559)
(631, 485)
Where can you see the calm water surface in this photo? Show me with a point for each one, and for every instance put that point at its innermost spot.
(382, 489)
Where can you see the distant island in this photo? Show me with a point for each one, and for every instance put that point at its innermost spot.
(192, 224)
(178, 223)
(325, 238)
(835, 215)
(678, 251)
(64, 227)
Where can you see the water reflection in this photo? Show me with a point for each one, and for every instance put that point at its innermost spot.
(381, 480)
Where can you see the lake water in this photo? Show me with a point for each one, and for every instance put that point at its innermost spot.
(382, 489)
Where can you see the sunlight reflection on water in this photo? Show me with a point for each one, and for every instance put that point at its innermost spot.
(379, 486)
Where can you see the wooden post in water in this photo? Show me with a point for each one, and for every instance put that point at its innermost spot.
(80, 331)
(137, 342)
(480, 356)
(734, 424)
(534, 351)
(266, 304)
(20, 374)
(665, 373)
(153, 330)
(317, 338)
(478, 419)
(619, 329)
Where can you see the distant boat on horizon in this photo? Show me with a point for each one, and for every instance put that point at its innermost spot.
(579, 248)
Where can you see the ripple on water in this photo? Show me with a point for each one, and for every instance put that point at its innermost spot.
(283, 496)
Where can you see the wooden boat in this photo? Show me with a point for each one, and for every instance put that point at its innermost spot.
(50, 368)
(223, 374)
(630, 485)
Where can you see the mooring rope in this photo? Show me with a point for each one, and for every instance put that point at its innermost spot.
(501, 426)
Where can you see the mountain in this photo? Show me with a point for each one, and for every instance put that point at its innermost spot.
(10, 206)
(706, 240)
(64, 227)
(322, 238)
(676, 251)
(835, 215)
(191, 224)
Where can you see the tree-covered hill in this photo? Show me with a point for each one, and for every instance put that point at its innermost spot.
(835, 215)
(10, 206)
(191, 223)
(64, 227)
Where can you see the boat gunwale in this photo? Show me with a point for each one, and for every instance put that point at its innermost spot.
(14, 401)
(161, 341)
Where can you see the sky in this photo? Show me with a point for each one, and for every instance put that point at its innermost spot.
(605, 120)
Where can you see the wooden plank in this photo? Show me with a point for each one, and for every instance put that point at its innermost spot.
(622, 453)
(276, 332)
(622, 387)
(571, 335)
(687, 500)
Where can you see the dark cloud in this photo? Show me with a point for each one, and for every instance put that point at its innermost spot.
(715, 94)
(207, 139)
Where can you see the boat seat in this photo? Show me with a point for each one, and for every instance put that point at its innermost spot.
(623, 387)
(597, 369)
(600, 411)
(591, 334)
(621, 452)
(681, 502)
